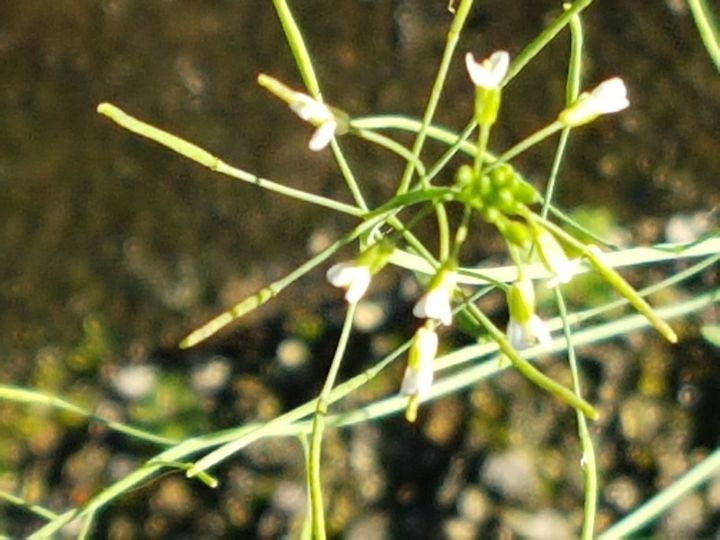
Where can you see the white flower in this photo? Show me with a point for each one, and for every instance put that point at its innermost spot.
(435, 303)
(608, 97)
(319, 115)
(490, 72)
(352, 277)
(522, 335)
(418, 377)
(553, 257)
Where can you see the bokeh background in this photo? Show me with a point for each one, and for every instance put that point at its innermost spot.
(114, 248)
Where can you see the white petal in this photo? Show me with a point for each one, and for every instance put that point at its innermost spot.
(490, 72)
(357, 288)
(564, 273)
(322, 136)
(309, 109)
(540, 330)
(610, 96)
(342, 273)
(347, 275)
(517, 334)
(435, 305)
(418, 376)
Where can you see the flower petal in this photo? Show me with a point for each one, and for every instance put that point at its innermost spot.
(490, 72)
(322, 136)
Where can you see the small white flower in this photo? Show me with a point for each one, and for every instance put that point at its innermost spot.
(435, 303)
(608, 97)
(354, 278)
(418, 377)
(490, 72)
(319, 115)
(522, 335)
(555, 260)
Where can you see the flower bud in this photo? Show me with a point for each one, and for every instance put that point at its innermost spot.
(608, 97)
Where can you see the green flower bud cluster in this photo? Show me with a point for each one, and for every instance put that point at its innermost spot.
(497, 195)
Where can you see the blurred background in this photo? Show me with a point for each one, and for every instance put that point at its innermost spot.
(115, 248)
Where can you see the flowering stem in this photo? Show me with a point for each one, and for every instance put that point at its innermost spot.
(452, 39)
(304, 63)
(316, 501)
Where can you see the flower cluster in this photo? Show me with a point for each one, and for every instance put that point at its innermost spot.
(495, 190)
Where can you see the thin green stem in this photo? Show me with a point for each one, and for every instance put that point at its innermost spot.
(651, 510)
(443, 231)
(453, 35)
(545, 37)
(392, 146)
(24, 395)
(526, 143)
(215, 164)
(276, 287)
(22, 503)
(297, 47)
(588, 462)
(316, 499)
(304, 63)
(528, 370)
(483, 137)
(707, 28)
(461, 232)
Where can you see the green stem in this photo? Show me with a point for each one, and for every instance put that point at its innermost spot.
(545, 37)
(451, 42)
(707, 28)
(22, 503)
(392, 146)
(526, 143)
(604, 269)
(304, 63)
(316, 499)
(651, 510)
(528, 370)
(588, 462)
(215, 164)
(483, 136)
(24, 395)
(286, 424)
(272, 290)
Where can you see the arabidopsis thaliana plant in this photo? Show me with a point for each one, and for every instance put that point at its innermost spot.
(435, 303)
(608, 97)
(490, 72)
(352, 277)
